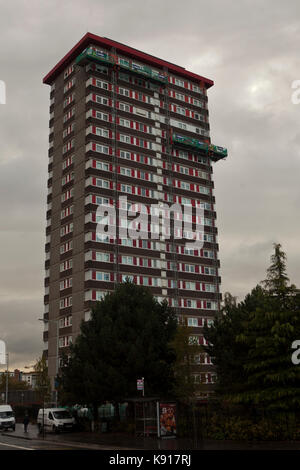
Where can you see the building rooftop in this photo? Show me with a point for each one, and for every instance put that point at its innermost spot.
(90, 38)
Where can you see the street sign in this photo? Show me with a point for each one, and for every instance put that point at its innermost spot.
(2, 352)
(140, 384)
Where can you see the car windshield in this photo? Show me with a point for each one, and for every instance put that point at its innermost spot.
(6, 414)
(61, 414)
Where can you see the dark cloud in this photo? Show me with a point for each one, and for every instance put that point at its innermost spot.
(250, 50)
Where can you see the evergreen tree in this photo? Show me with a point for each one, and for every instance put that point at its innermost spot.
(127, 338)
(228, 354)
(273, 381)
(277, 281)
(250, 343)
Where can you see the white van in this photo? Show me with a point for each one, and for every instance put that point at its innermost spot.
(55, 419)
(7, 417)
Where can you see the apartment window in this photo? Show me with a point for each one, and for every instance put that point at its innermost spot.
(102, 149)
(65, 302)
(189, 268)
(67, 178)
(97, 68)
(197, 103)
(68, 146)
(179, 96)
(69, 100)
(209, 271)
(69, 85)
(103, 257)
(193, 322)
(124, 92)
(124, 107)
(208, 238)
(125, 171)
(66, 212)
(102, 201)
(101, 84)
(124, 122)
(65, 229)
(194, 340)
(66, 247)
(102, 100)
(67, 195)
(100, 276)
(65, 283)
(100, 295)
(127, 276)
(124, 76)
(69, 114)
(65, 321)
(125, 138)
(211, 305)
(68, 71)
(65, 341)
(67, 162)
(102, 116)
(179, 82)
(126, 188)
(102, 166)
(102, 132)
(126, 155)
(102, 183)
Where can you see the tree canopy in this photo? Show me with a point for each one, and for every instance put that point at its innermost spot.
(128, 337)
(250, 343)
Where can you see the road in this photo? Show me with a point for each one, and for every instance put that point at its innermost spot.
(14, 443)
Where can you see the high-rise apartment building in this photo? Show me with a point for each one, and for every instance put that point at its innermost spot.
(124, 123)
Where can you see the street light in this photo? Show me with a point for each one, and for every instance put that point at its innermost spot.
(4, 360)
(57, 351)
(6, 401)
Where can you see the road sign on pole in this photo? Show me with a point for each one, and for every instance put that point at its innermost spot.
(140, 384)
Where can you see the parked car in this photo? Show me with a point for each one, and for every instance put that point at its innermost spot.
(7, 417)
(55, 419)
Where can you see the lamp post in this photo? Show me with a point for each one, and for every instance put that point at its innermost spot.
(57, 351)
(6, 388)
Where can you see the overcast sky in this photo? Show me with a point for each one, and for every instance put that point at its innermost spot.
(249, 48)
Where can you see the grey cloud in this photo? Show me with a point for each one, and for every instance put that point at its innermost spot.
(250, 49)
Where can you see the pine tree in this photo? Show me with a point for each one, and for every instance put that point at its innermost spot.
(250, 343)
(277, 281)
(273, 381)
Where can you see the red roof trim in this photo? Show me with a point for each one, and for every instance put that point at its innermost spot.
(134, 53)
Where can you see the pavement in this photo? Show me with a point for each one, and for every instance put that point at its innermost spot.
(119, 441)
(109, 441)
(82, 440)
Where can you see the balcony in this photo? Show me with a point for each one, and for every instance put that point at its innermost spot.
(215, 152)
(95, 55)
